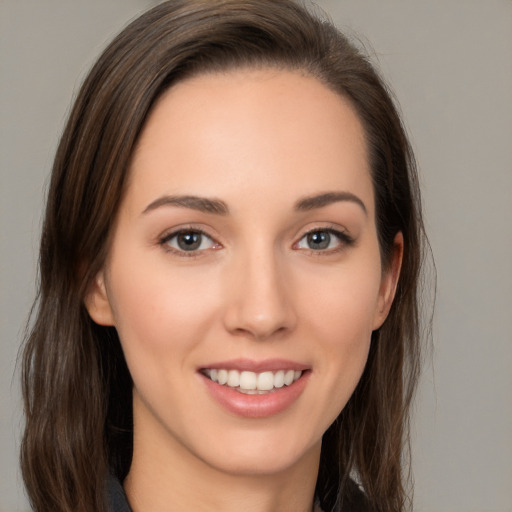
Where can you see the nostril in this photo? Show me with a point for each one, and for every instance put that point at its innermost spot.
(258, 304)
(261, 332)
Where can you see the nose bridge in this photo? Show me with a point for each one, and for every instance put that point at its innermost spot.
(260, 304)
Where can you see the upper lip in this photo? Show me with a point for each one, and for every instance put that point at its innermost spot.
(250, 365)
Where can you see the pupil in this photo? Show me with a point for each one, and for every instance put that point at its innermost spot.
(319, 240)
(189, 241)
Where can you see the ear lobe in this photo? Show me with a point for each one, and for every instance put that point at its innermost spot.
(389, 282)
(97, 303)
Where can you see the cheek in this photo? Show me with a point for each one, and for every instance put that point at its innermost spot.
(345, 303)
(345, 331)
(160, 310)
(341, 321)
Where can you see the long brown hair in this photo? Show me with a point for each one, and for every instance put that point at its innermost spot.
(76, 386)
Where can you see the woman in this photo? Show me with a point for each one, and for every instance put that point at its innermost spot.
(227, 314)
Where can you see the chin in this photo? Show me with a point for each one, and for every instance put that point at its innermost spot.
(262, 457)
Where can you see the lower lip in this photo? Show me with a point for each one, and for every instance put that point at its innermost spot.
(257, 406)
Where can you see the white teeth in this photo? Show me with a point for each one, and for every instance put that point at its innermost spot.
(288, 377)
(265, 381)
(222, 376)
(251, 382)
(247, 380)
(233, 379)
(279, 379)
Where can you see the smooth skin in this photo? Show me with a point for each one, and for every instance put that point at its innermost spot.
(255, 272)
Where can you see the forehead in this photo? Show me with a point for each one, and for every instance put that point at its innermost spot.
(254, 131)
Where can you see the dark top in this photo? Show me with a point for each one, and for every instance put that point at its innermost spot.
(117, 501)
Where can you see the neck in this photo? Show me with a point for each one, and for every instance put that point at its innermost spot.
(228, 493)
(167, 476)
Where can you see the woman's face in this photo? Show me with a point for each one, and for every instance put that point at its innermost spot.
(245, 249)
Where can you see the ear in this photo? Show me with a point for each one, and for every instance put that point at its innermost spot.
(97, 303)
(389, 282)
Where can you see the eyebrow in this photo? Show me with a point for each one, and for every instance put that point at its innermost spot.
(327, 198)
(219, 207)
(202, 204)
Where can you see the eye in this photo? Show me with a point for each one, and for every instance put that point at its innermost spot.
(189, 240)
(324, 240)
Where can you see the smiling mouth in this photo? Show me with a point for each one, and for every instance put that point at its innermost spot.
(252, 383)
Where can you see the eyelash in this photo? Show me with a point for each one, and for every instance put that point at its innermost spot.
(164, 242)
(344, 241)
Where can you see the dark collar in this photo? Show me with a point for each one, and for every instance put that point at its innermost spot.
(117, 501)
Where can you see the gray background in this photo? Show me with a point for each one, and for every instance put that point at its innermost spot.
(449, 62)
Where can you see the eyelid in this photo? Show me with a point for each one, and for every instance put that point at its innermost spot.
(344, 239)
(163, 240)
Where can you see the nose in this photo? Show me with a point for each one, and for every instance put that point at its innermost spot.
(259, 300)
